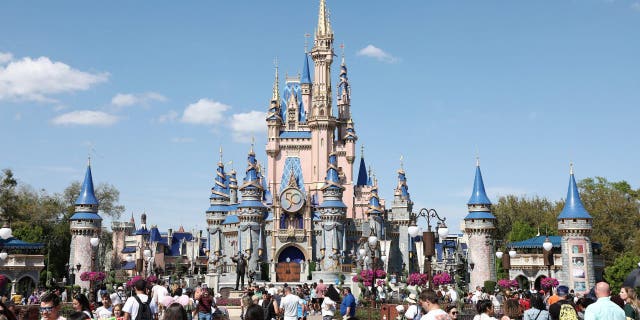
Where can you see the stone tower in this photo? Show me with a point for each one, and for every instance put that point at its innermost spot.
(85, 224)
(120, 229)
(401, 220)
(217, 212)
(575, 226)
(479, 227)
(251, 212)
(332, 212)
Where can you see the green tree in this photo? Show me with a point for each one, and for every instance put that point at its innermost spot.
(618, 271)
(107, 195)
(519, 218)
(8, 196)
(616, 222)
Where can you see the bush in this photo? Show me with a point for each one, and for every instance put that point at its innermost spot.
(489, 286)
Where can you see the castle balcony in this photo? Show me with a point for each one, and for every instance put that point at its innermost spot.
(291, 235)
(22, 262)
(534, 261)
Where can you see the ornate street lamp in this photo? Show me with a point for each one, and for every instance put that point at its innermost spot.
(95, 241)
(428, 237)
(547, 246)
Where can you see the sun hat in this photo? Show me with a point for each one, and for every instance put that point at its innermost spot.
(411, 298)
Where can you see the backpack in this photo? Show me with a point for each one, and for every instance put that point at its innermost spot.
(567, 312)
(144, 309)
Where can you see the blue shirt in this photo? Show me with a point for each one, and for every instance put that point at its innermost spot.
(604, 309)
(348, 301)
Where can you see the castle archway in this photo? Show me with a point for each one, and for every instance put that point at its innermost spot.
(288, 268)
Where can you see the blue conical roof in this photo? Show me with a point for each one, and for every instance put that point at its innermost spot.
(220, 188)
(332, 180)
(306, 75)
(478, 196)
(87, 196)
(251, 182)
(374, 202)
(573, 208)
(402, 185)
(362, 173)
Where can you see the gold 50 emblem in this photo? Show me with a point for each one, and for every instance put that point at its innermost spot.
(291, 200)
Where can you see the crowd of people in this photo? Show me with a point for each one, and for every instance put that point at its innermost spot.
(560, 304)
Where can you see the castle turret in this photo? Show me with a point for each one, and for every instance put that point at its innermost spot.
(344, 101)
(575, 227)
(251, 212)
(217, 211)
(274, 119)
(332, 212)
(233, 187)
(305, 83)
(86, 223)
(321, 121)
(400, 221)
(479, 227)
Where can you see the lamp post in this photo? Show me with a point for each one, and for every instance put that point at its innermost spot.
(95, 241)
(147, 258)
(428, 237)
(5, 234)
(506, 259)
(547, 247)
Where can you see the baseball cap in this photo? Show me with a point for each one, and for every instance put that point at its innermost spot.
(562, 290)
(120, 288)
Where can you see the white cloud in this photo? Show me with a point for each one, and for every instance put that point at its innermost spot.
(244, 125)
(85, 118)
(636, 6)
(5, 57)
(170, 116)
(377, 53)
(36, 79)
(181, 140)
(204, 111)
(18, 116)
(130, 99)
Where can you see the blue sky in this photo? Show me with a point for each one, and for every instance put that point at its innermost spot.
(152, 89)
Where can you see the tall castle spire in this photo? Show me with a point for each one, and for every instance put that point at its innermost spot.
(87, 199)
(479, 200)
(362, 171)
(324, 25)
(332, 189)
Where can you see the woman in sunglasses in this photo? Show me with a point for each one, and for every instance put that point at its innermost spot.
(452, 310)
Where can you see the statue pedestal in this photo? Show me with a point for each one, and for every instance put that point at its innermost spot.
(328, 277)
(213, 281)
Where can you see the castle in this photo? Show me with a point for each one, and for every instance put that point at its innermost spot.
(305, 217)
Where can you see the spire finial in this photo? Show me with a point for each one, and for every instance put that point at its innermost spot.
(571, 168)
(276, 82)
(342, 49)
(89, 160)
(324, 25)
(253, 141)
(362, 151)
(477, 161)
(401, 162)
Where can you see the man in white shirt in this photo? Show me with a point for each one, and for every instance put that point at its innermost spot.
(477, 295)
(452, 294)
(414, 311)
(105, 311)
(131, 307)
(429, 302)
(117, 297)
(158, 292)
(289, 303)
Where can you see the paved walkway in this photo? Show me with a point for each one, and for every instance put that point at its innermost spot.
(311, 317)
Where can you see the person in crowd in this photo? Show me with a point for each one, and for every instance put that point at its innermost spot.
(414, 311)
(329, 301)
(132, 305)
(254, 312)
(50, 307)
(603, 308)
(525, 301)
(117, 312)
(631, 303)
(581, 305)
(511, 310)
(78, 315)
(348, 305)
(158, 291)
(106, 310)
(303, 307)
(204, 304)
(485, 310)
(453, 294)
(429, 302)
(118, 296)
(6, 313)
(538, 310)
(175, 311)
(31, 313)
(289, 304)
(452, 311)
(81, 303)
(562, 292)
(187, 302)
(270, 306)
(477, 295)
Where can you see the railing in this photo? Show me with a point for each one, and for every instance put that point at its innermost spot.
(291, 234)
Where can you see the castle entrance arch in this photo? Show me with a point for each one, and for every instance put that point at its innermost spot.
(288, 268)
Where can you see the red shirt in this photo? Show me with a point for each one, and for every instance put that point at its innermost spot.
(321, 288)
